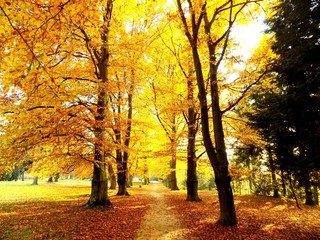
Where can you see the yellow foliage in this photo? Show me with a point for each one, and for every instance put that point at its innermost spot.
(50, 81)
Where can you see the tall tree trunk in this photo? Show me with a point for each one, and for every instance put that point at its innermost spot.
(99, 185)
(307, 188)
(218, 156)
(122, 184)
(129, 180)
(251, 177)
(192, 179)
(123, 156)
(113, 179)
(273, 174)
(173, 166)
(283, 181)
(315, 194)
(216, 153)
(121, 175)
(171, 132)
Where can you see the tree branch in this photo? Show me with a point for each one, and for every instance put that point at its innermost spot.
(232, 105)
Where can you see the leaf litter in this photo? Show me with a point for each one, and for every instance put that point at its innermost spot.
(34, 216)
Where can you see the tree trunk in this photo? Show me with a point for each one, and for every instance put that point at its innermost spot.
(216, 153)
(129, 180)
(122, 174)
(99, 185)
(35, 181)
(122, 183)
(283, 180)
(251, 177)
(50, 180)
(22, 174)
(173, 175)
(315, 194)
(99, 188)
(273, 174)
(227, 209)
(113, 179)
(123, 156)
(218, 157)
(274, 185)
(308, 190)
(192, 179)
(56, 177)
(146, 181)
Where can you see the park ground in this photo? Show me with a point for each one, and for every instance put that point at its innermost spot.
(57, 211)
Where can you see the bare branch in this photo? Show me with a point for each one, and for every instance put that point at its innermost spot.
(232, 105)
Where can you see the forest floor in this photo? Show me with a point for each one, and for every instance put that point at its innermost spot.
(56, 211)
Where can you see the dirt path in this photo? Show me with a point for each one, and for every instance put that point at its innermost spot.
(159, 223)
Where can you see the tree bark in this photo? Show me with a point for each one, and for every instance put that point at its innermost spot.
(123, 156)
(56, 177)
(122, 180)
(171, 132)
(99, 185)
(192, 179)
(216, 153)
(35, 181)
(129, 180)
(308, 190)
(22, 174)
(173, 165)
(283, 181)
(315, 194)
(273, 174)
(50, 180)
(113, 179)
(99, 188)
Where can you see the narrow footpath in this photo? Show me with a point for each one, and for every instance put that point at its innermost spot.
(159, 223)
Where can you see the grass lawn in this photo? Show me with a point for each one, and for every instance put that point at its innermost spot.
(57, 211)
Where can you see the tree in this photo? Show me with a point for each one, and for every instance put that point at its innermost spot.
(58, 99)
(99, 187)
(170, 118)
(122, 136)
(73, 119)
(287, 115)
(178, 48)
(193, 16)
